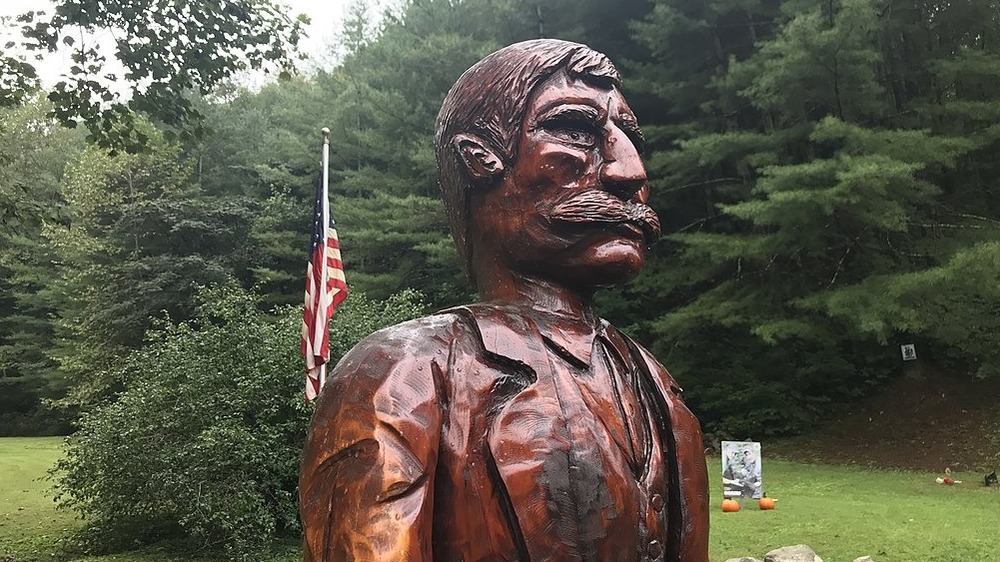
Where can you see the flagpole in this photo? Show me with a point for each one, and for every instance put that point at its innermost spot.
(326, 221)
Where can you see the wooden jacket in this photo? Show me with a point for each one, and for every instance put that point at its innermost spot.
(446, 439)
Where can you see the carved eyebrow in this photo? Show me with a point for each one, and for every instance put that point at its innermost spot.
(571, 112)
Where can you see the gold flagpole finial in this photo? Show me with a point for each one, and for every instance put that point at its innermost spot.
(326, 133)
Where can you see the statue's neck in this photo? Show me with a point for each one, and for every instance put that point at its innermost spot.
(540, 295)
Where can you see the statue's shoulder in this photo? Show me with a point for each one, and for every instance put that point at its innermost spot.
(398, 366)
(428, 336)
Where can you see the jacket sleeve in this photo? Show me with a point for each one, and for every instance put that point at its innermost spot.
(366, 484)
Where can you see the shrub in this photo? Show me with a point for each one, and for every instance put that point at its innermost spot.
(205, 440)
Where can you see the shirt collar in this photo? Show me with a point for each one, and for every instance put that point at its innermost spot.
(571, 338)
(521, 333)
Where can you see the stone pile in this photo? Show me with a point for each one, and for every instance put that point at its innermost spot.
(797, 553)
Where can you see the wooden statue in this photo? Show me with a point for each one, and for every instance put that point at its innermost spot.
(523, 427)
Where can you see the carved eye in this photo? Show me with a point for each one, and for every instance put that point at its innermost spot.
(572, 125)
(575, 135)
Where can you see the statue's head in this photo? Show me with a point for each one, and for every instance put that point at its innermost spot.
(539, 162)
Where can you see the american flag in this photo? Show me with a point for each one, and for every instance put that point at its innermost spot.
(325, 289)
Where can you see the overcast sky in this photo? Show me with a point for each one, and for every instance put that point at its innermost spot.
(326, 16)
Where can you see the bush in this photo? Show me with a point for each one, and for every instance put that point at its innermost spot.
(206, 439)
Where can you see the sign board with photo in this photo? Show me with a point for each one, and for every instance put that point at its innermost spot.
(909, 352)
(741, 474)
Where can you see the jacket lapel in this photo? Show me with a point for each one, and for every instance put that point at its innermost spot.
(528, 442)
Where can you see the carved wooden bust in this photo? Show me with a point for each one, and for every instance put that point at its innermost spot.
(523, 427)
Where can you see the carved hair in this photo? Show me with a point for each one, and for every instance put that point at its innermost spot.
(489, 101)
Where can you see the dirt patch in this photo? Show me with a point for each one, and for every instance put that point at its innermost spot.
(923, 421)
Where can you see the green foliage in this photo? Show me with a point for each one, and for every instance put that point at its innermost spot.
(205, 439)
(141, 238)
(956, 305)
(167, 49)
(32, 153)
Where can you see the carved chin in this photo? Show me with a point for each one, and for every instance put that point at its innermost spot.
(610, 263)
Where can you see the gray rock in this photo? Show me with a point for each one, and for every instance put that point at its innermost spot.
(744, 559)
(864, 559)
(797, 553)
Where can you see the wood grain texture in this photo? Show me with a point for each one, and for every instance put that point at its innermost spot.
(523, 427)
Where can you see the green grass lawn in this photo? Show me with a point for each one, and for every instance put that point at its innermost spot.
(31, 528)
(845, 512)
(841, 512)
(30, 525)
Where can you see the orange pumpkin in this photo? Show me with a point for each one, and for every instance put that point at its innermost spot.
(766, 503)
(730, 505)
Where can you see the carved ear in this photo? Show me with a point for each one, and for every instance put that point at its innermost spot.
(480, 160)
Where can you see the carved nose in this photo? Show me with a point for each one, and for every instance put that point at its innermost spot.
(622, 172)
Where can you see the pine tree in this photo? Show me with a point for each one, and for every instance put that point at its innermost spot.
(828, 186)
(32, 152)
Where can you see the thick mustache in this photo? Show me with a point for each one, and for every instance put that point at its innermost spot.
(595, 205)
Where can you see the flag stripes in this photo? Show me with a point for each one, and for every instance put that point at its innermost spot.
(319, 308)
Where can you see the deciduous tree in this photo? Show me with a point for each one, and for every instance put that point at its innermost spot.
(164, 50)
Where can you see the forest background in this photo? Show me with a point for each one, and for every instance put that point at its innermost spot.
(826, 174)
